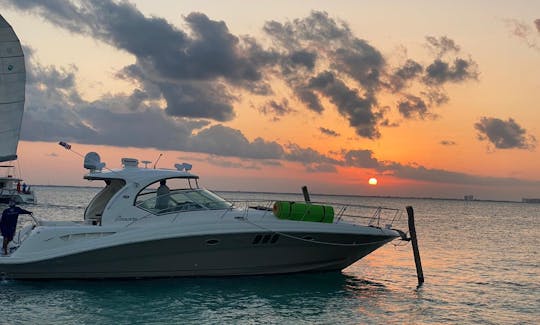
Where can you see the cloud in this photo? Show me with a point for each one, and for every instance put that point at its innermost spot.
(309, 98)
(329, 132)
(504, 134)
(525, 32)
(186, 68)
(440, 72)
(365, 159)
(435, 96)
(447, 67)
(404, 74)
(65, 116)
(442, 45)
(197, 69)
(228, 163)
(304, 58)
(361, 159)
(340, 56)
(448, 143)
(321, 168)
(225, 141)
(307, 155)
(358, 109)
(276, 109)
(413, 107)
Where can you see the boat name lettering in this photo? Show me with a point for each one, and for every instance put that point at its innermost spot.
(120, 218)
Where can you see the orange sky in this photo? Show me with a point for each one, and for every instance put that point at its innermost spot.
(499, 91)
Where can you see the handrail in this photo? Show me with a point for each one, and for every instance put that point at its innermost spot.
(378, 215)
(374, 216)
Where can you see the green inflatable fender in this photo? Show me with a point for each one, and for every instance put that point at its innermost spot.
(303, 211)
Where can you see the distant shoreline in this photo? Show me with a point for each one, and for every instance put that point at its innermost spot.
(323, 194)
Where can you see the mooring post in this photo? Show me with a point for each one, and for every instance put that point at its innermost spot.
(416, 252)
(306, 194)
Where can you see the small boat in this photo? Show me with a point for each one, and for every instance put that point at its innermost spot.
(12, 96)
(14, 189)
(133, 229)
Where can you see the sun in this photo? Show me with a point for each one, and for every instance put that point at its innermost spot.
(372, 181)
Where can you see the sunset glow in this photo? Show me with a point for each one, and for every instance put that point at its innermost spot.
(279, 95)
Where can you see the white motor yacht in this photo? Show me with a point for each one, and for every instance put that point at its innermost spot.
(129, 231)
(14, 188)
(11, 189)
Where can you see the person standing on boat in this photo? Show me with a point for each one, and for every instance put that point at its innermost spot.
(162, 195)
(8, 223)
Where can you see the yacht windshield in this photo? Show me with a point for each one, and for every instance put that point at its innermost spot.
(163, 200)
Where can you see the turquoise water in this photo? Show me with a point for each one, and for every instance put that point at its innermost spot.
(480, 259)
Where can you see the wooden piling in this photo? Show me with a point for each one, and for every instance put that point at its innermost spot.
(416, 252)
(306, 194)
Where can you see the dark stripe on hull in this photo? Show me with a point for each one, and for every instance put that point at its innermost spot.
(202, 256)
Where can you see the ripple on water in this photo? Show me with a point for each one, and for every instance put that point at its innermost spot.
(480, 265)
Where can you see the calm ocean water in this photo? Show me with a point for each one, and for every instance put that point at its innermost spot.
(480, 259)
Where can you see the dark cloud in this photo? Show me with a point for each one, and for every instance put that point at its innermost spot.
(329, 132)
(65, 116)
(198, 100)
(387, 123)
(413, 107)
(276, 109)
(339, 55)
(402, 75)
(448, 143)
(361, 159)
(196, 71)
(365, 159)
(442, 45)
(440, 72)
(435, 96)
(309, 98)
(311, 159)
(504, 134)
(306, 155)
(447, 67)
(362, 62)
(304, 58)
(537, 24)
(186, 68)
(358, 109)
(225, 141)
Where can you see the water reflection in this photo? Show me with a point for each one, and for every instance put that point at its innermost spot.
(301, 296)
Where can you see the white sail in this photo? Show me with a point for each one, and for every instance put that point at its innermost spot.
(12, 84)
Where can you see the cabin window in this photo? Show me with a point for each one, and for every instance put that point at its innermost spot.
(179, 198)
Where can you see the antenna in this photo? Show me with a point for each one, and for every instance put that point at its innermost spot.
(67, 146)
(91, 157)
(157, 160)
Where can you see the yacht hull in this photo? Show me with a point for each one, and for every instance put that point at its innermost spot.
(209, 255)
